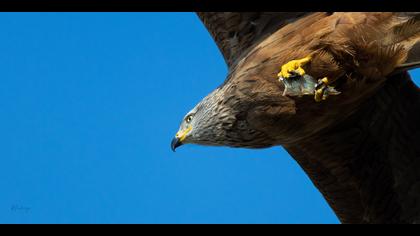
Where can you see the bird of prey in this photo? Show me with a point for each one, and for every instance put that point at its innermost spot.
(334, 91)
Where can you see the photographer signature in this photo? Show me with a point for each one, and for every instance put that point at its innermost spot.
(20, 208)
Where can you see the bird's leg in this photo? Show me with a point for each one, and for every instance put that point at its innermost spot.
(293, 68)
(323, 90)
(297, 82)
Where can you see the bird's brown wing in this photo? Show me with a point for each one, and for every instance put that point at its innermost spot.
(236, 32)
(368, 167)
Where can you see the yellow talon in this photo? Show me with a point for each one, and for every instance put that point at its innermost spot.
(319, 93)
(323, 90)
(324, 80)
(295, 66)
(320, 89)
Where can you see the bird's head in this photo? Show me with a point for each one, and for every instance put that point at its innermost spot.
(217, 121)
(201, 125)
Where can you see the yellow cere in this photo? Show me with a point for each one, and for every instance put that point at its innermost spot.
(183, 133)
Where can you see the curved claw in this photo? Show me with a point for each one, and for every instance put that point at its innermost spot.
(323, 90)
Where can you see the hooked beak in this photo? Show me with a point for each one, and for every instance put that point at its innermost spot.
(179, 138)
(176, 142)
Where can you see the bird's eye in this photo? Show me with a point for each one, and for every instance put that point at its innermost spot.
(188, 119)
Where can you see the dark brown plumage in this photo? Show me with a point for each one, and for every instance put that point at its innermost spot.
(359, 148)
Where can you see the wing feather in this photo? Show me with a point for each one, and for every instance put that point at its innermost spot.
(235, 32)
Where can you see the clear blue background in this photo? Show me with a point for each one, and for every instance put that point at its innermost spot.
(88, 105)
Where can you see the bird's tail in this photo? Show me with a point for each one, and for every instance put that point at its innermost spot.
(413, 59)
(407, 35)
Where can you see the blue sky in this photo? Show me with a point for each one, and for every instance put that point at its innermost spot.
(89, 103)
